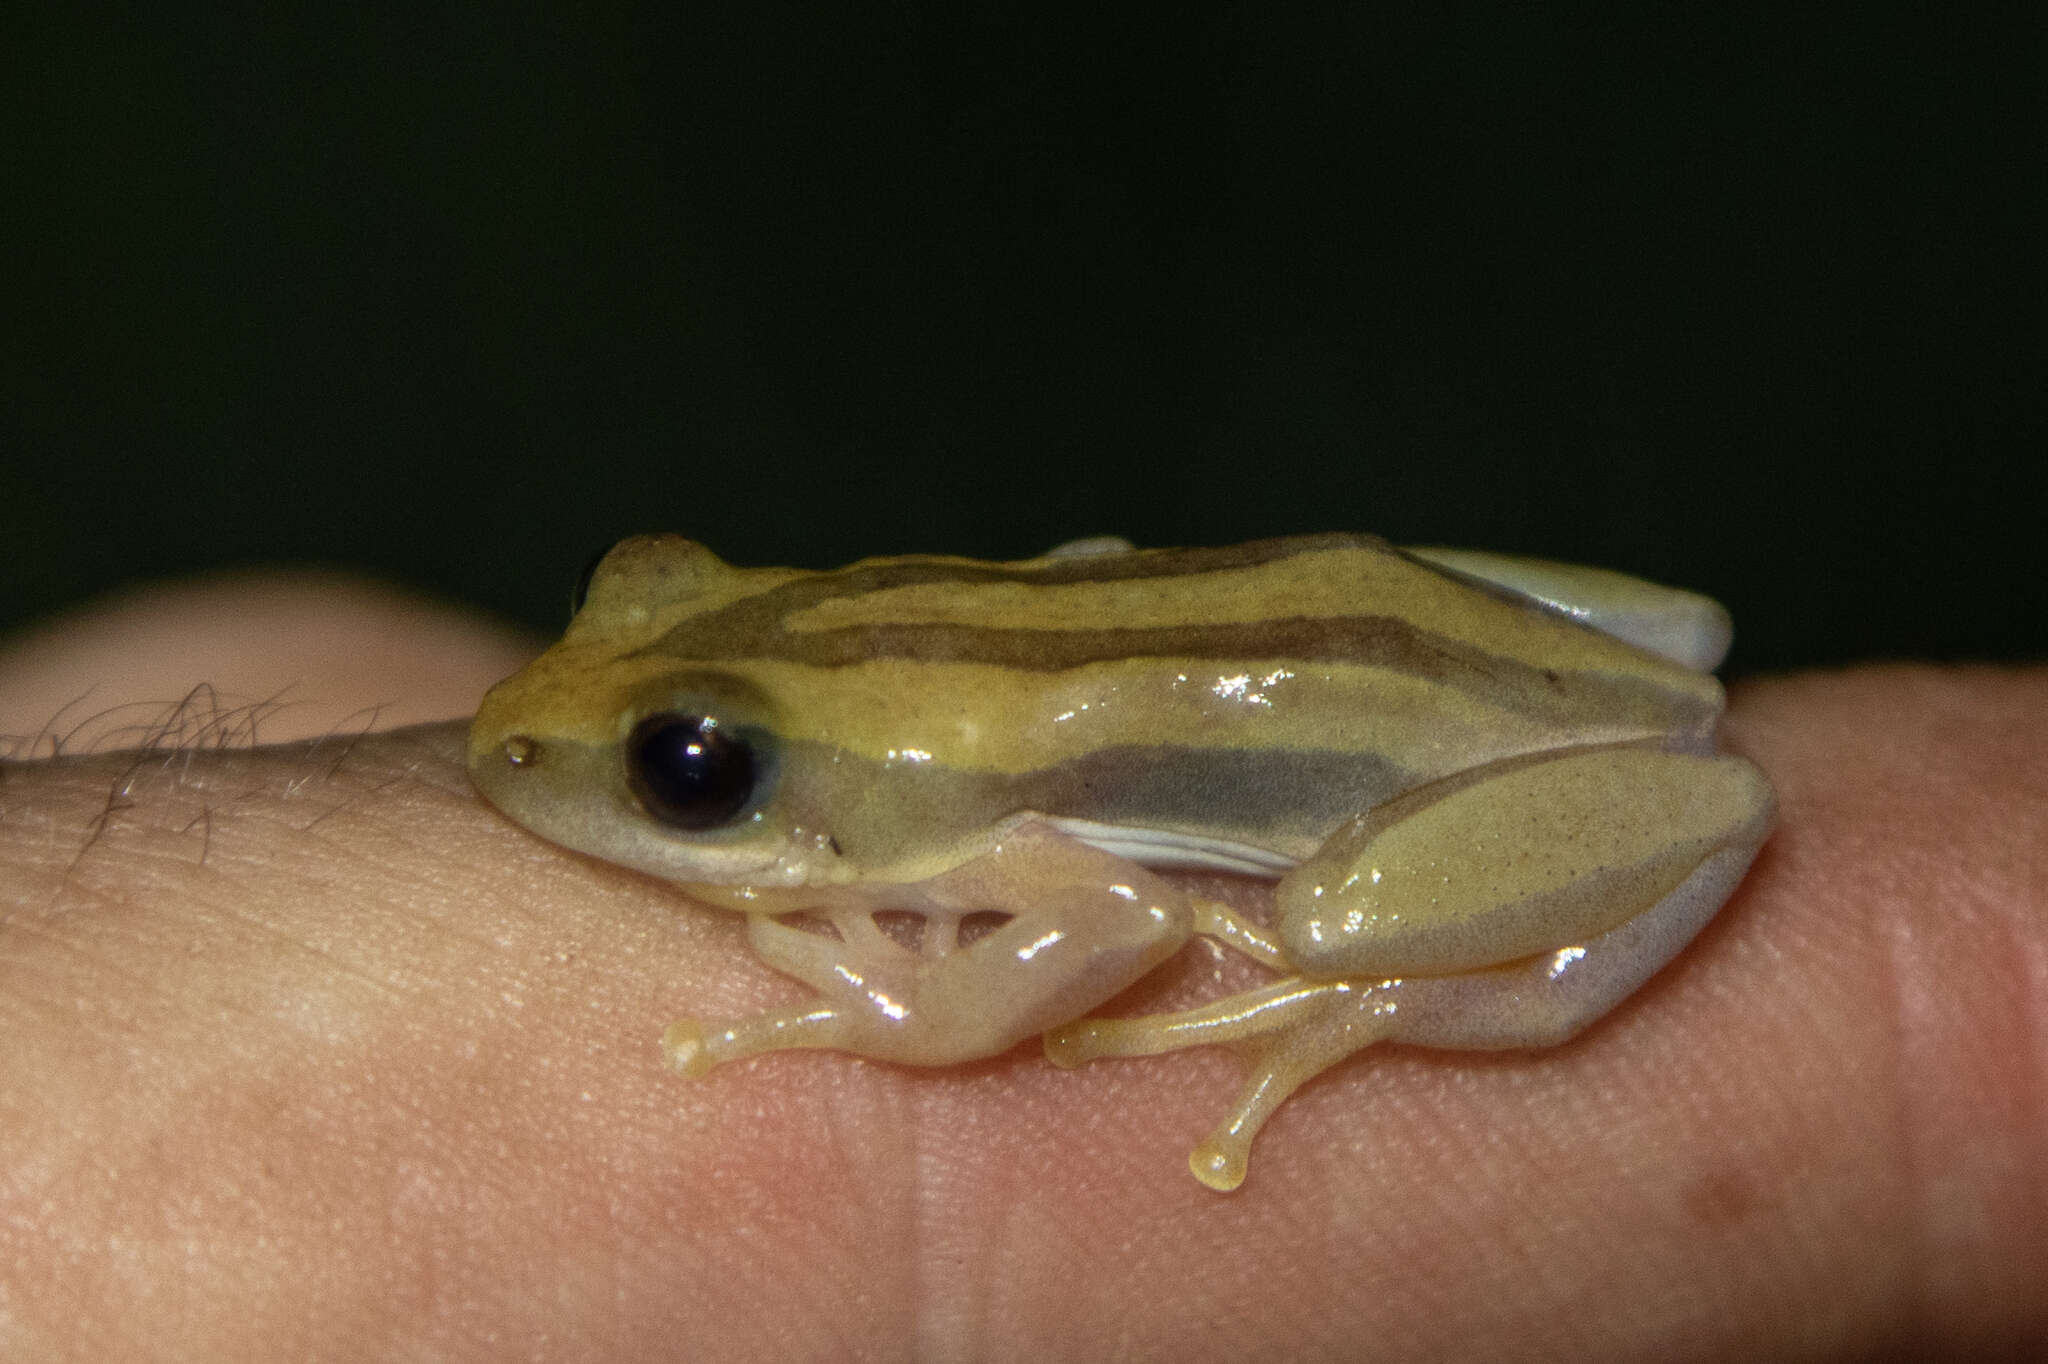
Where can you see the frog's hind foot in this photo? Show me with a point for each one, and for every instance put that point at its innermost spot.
(1284, 1064)
(1293, 1029)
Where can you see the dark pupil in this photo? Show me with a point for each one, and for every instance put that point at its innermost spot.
(687, 771)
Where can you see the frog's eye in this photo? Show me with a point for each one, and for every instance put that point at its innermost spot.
(582, 592)
(688, 771)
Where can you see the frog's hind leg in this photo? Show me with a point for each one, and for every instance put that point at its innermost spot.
(1540, 1001)
(1684, 627)
(1548, 999)
(1289, 1030)
(1214, 919)
(1293, 1029)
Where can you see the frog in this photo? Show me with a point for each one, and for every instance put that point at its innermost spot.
(969, 803)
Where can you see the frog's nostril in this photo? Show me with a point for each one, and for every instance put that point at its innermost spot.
(521, 751)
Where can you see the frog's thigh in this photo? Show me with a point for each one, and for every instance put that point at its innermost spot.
(1533, 857)
(1547, 999)
(1682, 626)
(1084, 924)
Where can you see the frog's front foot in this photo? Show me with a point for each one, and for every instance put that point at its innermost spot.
(1080, 925)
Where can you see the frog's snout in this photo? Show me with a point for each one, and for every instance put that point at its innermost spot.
(499, 745)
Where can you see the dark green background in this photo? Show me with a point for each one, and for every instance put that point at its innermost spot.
(458, 296)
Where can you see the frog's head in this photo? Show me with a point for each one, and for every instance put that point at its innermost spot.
(615, 748)
(674, 774)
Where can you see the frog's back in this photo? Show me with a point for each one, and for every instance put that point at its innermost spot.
(1261, 691)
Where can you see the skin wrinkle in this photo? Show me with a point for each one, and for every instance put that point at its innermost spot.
(943, 1328)
(1932, 908)
(842, 1122)
(1914, 1303)
(1824, 843)
(1951, 1212)
(2006, 1002)
(2032, 953)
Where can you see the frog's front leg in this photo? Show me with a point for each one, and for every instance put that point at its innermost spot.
(1083, 925)
(1505, 909)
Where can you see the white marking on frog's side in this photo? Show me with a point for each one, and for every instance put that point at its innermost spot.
(1165, 850)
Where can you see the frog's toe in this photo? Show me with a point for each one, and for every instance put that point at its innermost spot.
(682, 1043)
(1220, 1163)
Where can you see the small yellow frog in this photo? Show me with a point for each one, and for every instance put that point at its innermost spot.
(1486, 787)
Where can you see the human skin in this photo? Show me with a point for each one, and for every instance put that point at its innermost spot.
(306, 1052)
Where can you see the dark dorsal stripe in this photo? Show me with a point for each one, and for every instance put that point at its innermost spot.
(755, 627)
(860, 580)
(1372, 641)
